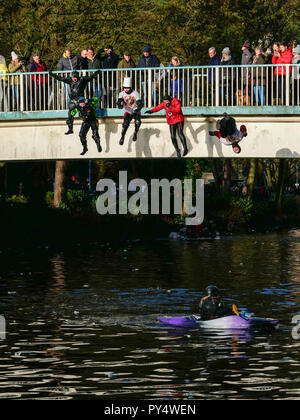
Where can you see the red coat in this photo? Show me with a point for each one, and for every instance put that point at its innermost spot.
(284, 58)
(174, 113)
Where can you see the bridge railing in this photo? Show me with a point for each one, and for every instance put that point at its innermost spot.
(195, 86)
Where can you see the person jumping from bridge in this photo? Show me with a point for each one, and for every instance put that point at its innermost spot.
(130, 100)
(228, 133)
(175, 119)
(78, 85)
(87, 111)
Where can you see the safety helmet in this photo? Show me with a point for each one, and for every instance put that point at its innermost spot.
(81, 99)
(212, 291)
(167, 98)
(75, 74)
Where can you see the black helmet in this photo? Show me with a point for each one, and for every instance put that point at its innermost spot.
(75, 74)
(167, 98)
(212, 291)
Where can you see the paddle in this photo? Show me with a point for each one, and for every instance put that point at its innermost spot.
(235, 309)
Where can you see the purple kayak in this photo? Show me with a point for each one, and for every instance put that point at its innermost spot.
(227, 322)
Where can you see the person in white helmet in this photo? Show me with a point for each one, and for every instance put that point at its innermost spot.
(130, 101)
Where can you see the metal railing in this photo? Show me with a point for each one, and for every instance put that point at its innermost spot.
(195, 86)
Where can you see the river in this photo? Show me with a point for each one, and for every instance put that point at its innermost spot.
(81, 323)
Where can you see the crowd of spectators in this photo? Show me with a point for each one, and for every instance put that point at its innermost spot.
(252, 80)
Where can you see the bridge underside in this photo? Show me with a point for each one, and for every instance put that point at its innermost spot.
(44, 139)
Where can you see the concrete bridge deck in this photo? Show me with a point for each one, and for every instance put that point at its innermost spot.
(44, 139)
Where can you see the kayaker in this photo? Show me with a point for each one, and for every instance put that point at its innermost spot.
(212, 306)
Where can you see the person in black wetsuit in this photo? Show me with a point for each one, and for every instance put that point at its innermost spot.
(77, 87)
(212, 306)
(87, 111)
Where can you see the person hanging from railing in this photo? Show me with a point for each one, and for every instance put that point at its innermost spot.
(227, 78)
(77, 87)
(228, 133)
(259, 77)
(282, 57)
(130, 101)
(175, 119)
(87, 111)
(296, 75)
(3, 85)
(16, 66)
(40, 84)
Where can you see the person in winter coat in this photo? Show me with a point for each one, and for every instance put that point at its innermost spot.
(109, 61)
(69, 61)
(40, 83)
(228, 133)
(227, 77)
(148, 60)
(3, 84)
(283, 56)
(94, 63)
(259, 77)
(16, 66)
(175, 119)
(77, 87)
(83, 60)
(247, 58)
(87, 111)
(214, 60)
(176, 79)
(130, 101)
(126, 63)
(296, 74)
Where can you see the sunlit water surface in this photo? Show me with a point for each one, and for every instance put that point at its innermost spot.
(82, 323)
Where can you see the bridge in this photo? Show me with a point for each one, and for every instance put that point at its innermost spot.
(33, 110)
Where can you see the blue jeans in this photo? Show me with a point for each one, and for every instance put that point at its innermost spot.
(259, 94)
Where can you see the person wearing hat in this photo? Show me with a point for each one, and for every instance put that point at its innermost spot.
(126, 63)
(77, 87)
(109, 61)
(227, 77)
(228, 133)
(211, 306)
(15, 66)
(87, 111)
(175, 119)
(296, 74)
(130, 101)
(148, 60)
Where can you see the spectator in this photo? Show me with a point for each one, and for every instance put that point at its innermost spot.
(296, 74)
(16, 66)
(126, 63)
(176, 80)
(83, 60)
(283, 56)
(247, 58)
(227, 77)
(214, 61)
(94, 63)
(40, 83)
(260, 74)
(109, 61)
(68, 61)
(3, 85)
(148, 60)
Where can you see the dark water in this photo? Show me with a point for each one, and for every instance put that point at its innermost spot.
(82, 323)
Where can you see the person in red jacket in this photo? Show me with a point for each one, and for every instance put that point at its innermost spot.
(175, 119)
(283, 56)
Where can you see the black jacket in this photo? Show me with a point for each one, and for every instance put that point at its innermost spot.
(151, 61)
(77, 88)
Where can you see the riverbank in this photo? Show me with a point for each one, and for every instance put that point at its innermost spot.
(25, 225)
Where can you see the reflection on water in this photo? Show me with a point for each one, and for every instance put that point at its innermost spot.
(83, 323)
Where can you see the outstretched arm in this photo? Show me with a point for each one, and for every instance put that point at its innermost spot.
(93, 76)
(59, 78)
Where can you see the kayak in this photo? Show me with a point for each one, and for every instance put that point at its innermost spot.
(226, 322)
